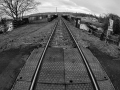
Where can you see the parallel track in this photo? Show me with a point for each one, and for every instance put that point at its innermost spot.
(37, 71)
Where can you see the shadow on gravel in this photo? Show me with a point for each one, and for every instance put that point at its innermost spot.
(11, 61)
(110, 65)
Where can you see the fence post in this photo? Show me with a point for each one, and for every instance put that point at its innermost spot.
(79, 22)
(119, 41)
(76, 25)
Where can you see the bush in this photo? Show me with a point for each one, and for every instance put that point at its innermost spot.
(105, 23)
(17, 23)
(3, 22)
(116, 24)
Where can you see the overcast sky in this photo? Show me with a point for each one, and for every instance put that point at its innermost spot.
(83, 6)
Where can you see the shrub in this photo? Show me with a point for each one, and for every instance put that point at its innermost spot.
(3, 22)
(116, 26)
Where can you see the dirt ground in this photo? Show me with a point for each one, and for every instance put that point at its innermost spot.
(22, 36)
(15, 48)
(107, 54)
(11, 62)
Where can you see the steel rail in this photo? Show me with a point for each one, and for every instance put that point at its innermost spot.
(34, 79)
(90, 72)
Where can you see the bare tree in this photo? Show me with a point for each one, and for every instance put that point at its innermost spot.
(16, 8)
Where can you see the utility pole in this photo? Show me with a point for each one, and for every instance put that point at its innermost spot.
(56, 9)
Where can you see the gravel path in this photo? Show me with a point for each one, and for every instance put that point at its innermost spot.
(61, 37)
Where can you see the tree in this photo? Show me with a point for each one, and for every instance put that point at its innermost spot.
(105, 23)
(116, 26)
(16, 8)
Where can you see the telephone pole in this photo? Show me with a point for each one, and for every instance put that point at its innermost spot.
(56, 9)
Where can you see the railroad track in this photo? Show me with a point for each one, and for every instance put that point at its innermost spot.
(60, 41)
(63, 65)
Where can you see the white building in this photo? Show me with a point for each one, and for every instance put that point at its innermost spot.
(84, 27)
(10, 26)
(89, 19)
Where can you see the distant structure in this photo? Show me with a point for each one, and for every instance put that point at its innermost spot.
(89, 19)
(56, 9)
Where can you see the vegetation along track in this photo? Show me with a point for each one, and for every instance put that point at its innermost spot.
(62, 65)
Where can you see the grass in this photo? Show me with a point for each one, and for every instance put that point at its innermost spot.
(16, 46)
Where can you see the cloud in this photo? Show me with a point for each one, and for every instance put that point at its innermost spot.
(62, 6)
(79, 9)
(84, 6)
(46, 4)
(68, 3)
(100, 6)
